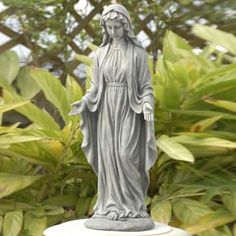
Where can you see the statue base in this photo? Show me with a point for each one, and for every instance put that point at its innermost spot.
(131, 224)
(77, 227)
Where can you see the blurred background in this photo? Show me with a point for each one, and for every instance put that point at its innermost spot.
(45, 65)
(49, 33)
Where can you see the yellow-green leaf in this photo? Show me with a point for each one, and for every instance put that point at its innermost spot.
(229, 201)
(39, 116)
(84, 59)
(73, 89)
(228, 105)
(35, 222)
(11, 106)
(212, 141)
(9, 67)
(93, 47)
(1, 224)
(28, 87)
(212, 232)
(210, 221)
(234, 229)
(10, 183)
(189, 211)
(161, 211)
(218, 37)
(10, 139)
(82, 206)
(204, 124)
(174, 150)
(53, 90)
(12, 223)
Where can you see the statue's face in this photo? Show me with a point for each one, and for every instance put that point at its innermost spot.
(115, 29)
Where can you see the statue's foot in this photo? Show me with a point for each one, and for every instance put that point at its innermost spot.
(144, 214)
(112, 215)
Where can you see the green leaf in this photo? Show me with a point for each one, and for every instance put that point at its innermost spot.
(214, 142)
(10, 183)
(161, 211)
(8, 107)
(12, 223)
(203, 113)
(218, 37)
(210, 221)
(228, 105)
(39, 116)
(10, 139)
(212, 232)
(234, 229)
(30, 158)
(55, 211)
(26, 84)
(62, 200)
(92, 204)
(9, 67)
(82, 206)
(189, 211)
(53, 90)
(84, 59)
(1, 224)
(93, 47)
(175, 47)
(204, 124)
(174, 150)
(229, 201)
(33, 224)
(9, 129)
(73, 90)
(211, 89)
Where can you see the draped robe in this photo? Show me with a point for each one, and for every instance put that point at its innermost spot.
(139, 91)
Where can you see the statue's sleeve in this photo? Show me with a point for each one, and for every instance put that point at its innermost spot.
(94, 83)
(91, 96)
(145, 88)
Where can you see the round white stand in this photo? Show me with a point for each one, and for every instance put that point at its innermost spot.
(76, 227)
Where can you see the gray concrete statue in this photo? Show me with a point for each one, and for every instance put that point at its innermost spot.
(117, 124)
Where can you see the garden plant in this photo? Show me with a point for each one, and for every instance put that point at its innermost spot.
(44, 176)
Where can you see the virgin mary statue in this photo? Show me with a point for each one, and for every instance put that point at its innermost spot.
(117, 124)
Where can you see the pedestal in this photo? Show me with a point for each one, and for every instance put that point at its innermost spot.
(76, 227)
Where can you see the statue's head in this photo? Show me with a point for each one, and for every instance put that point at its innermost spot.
(116, 14)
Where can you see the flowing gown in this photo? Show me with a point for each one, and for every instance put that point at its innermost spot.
(120, 145)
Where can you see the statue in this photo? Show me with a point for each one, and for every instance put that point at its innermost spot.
(117, 124)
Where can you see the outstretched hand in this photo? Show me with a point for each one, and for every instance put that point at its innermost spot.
(78, 107)
(148, 112)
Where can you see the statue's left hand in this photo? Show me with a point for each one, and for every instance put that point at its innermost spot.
(78, 107)
(148, 112)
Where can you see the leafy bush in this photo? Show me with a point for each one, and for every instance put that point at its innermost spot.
(193, 183)
(45, 179)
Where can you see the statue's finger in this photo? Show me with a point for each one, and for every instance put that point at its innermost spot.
(151, 117)
(145, 116)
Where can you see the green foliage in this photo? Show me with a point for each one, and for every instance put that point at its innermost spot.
(43, 171)
(47, 179)
(195, 114)
(12, 223)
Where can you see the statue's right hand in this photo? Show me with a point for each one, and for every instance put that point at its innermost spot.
(78, 107)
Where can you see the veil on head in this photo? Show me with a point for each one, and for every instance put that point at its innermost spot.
(119, 13)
